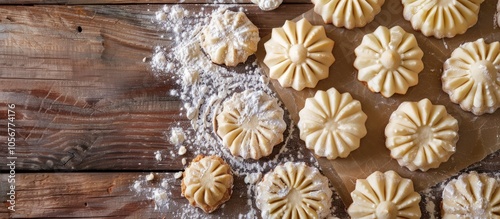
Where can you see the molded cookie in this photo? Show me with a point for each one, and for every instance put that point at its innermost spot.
(348, 13)
(299, 54)
(389, 61)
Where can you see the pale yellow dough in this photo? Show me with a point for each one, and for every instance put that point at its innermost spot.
(332, 124)
(384, 196)
(472, 196)
(441, 18)
(229, 38)
(389, 61)
(421, 135)
(207, 183)
(348, 13)
(295, 191)
(471, 76)
(251, 124)
(299, 54)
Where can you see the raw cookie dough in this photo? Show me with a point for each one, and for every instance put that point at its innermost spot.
(251, 124)
(299, 54)
(267, 5)
(384, 196)
(472, 195)
(389, 61)
(348, 13)
(471, 76)
(207, 183)
(332, 124)
(294, 190)
(421, 135)
(229, 38)
(441, 18)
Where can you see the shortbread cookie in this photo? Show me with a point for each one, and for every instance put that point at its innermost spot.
(471, 76)
(421, 135)
(384, 196)
(251, 124)
(348, 13)
(207, 183)
(267, 5)
(441, 18)
(472, 195)
(332, 124)
(229, 38)
(389, 61)
(294, 190)
(299, 54)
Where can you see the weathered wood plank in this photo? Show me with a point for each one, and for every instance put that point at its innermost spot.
(99, 195)
(110, 2)
(84, 99)
(104, 195)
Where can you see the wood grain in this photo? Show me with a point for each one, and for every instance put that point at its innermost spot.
(84, 99)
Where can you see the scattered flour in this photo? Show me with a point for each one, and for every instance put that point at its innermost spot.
(202, 88)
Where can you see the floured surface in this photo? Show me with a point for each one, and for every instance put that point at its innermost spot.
(479, 135)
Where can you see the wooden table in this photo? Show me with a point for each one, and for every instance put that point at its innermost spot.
(89, 114)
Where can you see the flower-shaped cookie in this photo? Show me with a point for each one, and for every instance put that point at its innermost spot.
(207, 183)
(229, 38)
(267, 5)
(421, 135)
(441, 18)
(348, 13)
(472, 195)
(299, 54)
(384, 196)
(251, 124)
(389, 61)
(294, 190)
(471, 76)
(332, 124)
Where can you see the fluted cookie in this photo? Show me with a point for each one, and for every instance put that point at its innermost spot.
(229, 38)
(421, 135)
(207, 183)
(251, 124)
(332, 124)
(299, 54)
(294, 190)
(389, 61)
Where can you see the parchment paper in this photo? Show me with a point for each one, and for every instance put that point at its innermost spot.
(479, 135)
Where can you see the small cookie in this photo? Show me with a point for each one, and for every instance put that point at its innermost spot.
(294, 190)
(471, 76)
(389, 61)
(299, 54)
(207, 183)
(384, 196)
(421, 135)
(348, 13)
(251, 124)
(332, 124)
(472, 195)
(267, 5)
(229, 38)
(441, 18)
